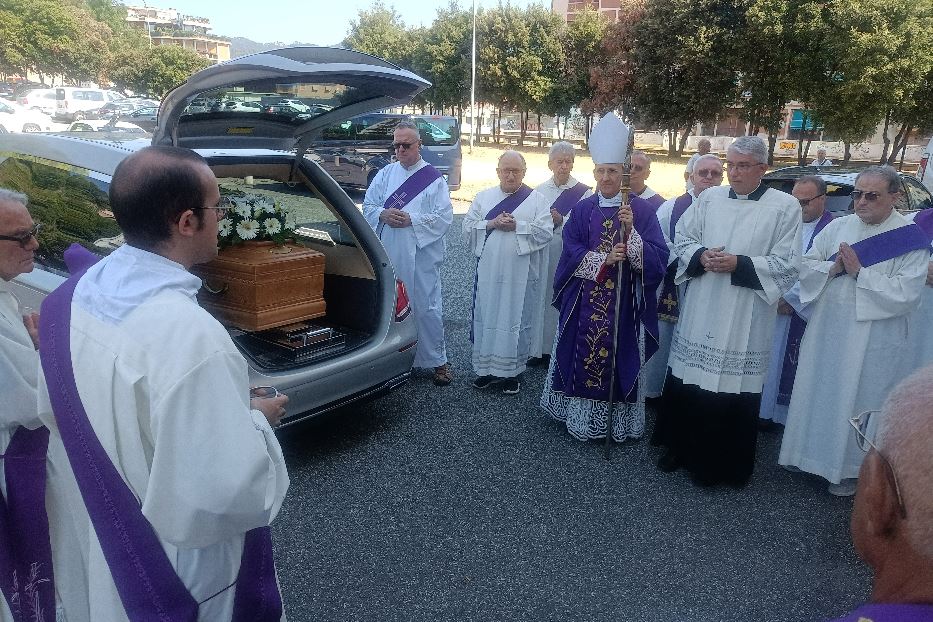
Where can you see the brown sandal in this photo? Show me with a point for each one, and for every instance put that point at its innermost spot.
(443, 375)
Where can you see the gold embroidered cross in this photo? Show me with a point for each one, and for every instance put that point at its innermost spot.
(670, 302)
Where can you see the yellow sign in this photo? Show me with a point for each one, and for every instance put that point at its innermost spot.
(240, 130)
(787, 144)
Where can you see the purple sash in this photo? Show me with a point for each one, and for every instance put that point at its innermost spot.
(507, 204)
(924, 220)
(795, 334)
(412, 187)
(569, 197)
(25, 549)
(655, 200)
(149, 587)
(890, 613)
(889, 245)
(668, 300)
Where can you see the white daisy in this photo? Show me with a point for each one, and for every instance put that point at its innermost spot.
(248, 229)
(224, 227)
(262, 205)
(272, 225)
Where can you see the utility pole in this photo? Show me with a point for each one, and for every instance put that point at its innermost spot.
(473, 85)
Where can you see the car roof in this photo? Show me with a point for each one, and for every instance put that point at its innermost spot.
(105, 150)
(832, 174)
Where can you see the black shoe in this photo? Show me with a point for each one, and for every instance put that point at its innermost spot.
(485, 381)
(668, 462)
(537, 361)
(511, 386)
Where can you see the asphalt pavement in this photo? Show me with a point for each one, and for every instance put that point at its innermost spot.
(457, 504)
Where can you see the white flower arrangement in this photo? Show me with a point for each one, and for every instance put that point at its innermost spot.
(254, 218)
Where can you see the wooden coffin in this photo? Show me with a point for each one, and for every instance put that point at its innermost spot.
(259, 285)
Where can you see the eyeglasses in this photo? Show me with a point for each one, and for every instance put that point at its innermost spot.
(403, 146)
(224, 206)
(741, 167)
(708, 173)
(637, 168)
(806, 202)
(860, 423)
(510, 171)
(871, 197)
(23, 239)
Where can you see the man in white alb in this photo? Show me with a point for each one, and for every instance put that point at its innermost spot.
(164, 473)
(408, 205)
(508, 229)
(810, 192)
(561, 191)
(863, 277)
(641, 170)
(703, 148)
(739, 251)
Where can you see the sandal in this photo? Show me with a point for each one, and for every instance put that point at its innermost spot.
(443, 375)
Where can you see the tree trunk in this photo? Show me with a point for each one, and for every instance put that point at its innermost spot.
(884, 137)
(847, 155)
(498, 123)
(900, 143)
(539, 129)
(900, 166)
(683, 141)
(522, 124)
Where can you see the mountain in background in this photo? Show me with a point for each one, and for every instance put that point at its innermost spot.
(241, 46)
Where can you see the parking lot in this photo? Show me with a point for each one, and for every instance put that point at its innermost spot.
(458, 504)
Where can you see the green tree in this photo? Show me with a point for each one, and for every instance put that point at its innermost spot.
(157, 70)
(443, 56)
(582, 43)
(380, 31)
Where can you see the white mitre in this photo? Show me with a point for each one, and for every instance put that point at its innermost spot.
(609, 140)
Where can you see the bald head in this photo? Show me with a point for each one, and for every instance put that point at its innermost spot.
(152, 187)
(511, 171)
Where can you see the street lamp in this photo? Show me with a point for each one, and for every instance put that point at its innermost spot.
(473, 84)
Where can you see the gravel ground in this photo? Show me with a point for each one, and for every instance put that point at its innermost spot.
(458, 504)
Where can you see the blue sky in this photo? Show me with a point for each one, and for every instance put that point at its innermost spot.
(320, 22)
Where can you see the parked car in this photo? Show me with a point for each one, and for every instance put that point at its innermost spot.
(118, 108)
(145, 118)
(287, 110)
(100, 125)
(840, 182)
(372, 335)
(925, 172)
(15, 118)
(76, 103)
(42, 100)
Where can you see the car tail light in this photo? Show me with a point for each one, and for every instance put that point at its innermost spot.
(402, 308)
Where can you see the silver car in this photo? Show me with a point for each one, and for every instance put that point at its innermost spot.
(365, 344)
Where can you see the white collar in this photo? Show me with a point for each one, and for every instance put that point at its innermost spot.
(614, 201)
(113, 287)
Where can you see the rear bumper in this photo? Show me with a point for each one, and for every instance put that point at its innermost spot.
(366, 394)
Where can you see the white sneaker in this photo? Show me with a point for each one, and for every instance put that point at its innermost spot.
(845, 488)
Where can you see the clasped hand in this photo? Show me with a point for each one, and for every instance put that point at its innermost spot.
(502, 222)
(717, 260)
(272, 406)
(846, 261)
(395, 218)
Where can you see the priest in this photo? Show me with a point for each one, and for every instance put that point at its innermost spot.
(24, 530)
(641, 170)
(561, 191)
(164, 473)
(508, 229)
(408, 205)
(863, 276)
(810, 192)
(706, 173)
(738, 252)
(608, 247)
(921, 347)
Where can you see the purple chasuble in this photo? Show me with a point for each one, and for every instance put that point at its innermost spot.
(148, 585)
(587, 308)
(890, 613)
(795, 334)
(568, 198)
(507, 204)
(669, 300)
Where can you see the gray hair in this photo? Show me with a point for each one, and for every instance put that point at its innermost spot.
(405, 124)
(11, 196)
(561, 147)
(512, 152)
(751, 146)
(906, 438)
(812, 179)
(704, 141)
(707, 156)
(884, 172)
(640, 153)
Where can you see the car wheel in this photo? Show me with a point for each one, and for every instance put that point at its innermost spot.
(79, 116)
(31, 127)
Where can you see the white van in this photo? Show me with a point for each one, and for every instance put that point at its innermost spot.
(74, 103)
(925, 172)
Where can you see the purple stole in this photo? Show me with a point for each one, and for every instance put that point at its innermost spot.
(507, 204)
(890, 613)
(410, 188)
(924, 220)
(569, 197)
(669, 300)
(889, 244)
(795, 334)
(149, 587)
(655, 201)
